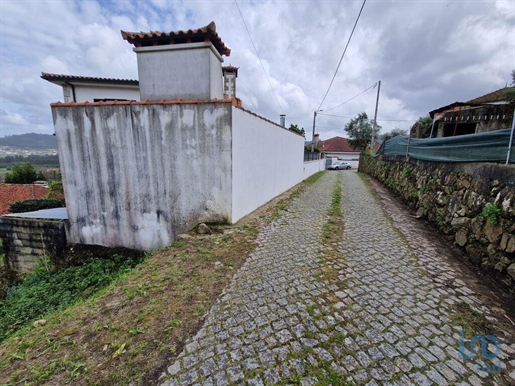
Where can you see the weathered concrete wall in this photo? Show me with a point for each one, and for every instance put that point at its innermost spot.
(267, 160)
(182, 71)
(453, 196)
(136, 175)
(25, 241)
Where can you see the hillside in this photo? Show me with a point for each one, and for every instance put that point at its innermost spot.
(30, 141)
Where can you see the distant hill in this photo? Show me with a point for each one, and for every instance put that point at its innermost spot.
(31, 141)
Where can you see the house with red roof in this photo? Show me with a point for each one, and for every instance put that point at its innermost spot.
(10, 193)
(340, 148)
(489, 112)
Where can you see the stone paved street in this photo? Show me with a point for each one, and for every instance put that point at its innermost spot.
(385, 315)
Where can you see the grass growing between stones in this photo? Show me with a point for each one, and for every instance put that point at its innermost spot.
(471, 321)
(128, 332)
(284, 202)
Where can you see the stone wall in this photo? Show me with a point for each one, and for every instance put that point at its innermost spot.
(25, 241)
(472, 204)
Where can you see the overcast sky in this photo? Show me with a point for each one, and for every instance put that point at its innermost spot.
(426, 53)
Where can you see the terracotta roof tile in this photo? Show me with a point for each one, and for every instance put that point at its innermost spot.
(156, 38)
(10, 193)
(234, 101)
(85, 79)
(230, 69)
(336, 145)
(495, 96)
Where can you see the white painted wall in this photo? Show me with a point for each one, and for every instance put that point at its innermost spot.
(312, 167)
(90, 93)
(137, 175)
(266, 161)
(181, 71)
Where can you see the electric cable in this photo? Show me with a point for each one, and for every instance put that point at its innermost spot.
(344, 51)
(354, 97)
(255, 49)
(248, 88)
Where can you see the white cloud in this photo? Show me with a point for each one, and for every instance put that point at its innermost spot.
(427, 54)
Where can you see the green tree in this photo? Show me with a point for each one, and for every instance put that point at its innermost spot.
(510, 92)
(298, 130)
(22, 173)
(393, 133)
(360, 130)
(41, 176)
(422, 127)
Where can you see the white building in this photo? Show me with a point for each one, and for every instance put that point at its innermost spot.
(91, 89)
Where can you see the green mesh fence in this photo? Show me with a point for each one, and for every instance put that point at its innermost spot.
(482, 147)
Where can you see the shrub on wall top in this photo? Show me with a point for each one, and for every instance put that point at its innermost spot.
(34, 204)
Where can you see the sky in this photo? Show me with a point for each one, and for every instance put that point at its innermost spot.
(427, 54)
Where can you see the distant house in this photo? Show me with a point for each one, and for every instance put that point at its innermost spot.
(493, 111)
(10, 193)
(93, 89)
(340, 148)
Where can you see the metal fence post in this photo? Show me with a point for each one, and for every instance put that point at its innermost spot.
(511, 138)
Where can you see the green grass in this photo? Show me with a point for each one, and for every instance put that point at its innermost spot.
(47, 289)
(314, 178)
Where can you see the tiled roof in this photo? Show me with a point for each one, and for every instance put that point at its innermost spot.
(230, 69)
(155, 38)
(336, 145)
(86, 79)
(10, 193)
(234, 101)
(496, 96)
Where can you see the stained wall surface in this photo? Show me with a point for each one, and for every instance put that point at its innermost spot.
(137, 175)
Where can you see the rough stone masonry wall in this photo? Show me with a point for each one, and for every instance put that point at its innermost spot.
(453, 196)
(26, 241)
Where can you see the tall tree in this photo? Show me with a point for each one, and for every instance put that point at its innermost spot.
(22, 173)
(360, 130)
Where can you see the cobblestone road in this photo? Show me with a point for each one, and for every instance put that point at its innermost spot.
(386, 318)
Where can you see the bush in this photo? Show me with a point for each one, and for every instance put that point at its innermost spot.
(46, 289)
(492, 213)
(56, 191)
(34, 204)
(22, 173)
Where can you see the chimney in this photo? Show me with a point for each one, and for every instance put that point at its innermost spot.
(316, 139)
(283, 120)
(230, 74)
(179, 65)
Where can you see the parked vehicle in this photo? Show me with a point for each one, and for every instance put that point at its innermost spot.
(340, 166)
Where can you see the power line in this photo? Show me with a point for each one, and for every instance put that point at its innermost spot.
(379, 120)
(248, 88)
(354, 97)
(255, 49)
(344, 51)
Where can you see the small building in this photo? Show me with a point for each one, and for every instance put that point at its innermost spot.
(493, 111)
(138, 173)
(339, 147)
(92, 89)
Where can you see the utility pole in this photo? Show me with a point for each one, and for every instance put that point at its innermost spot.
(313, 137)
(372, 142)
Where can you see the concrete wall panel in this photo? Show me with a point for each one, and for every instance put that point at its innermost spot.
(267, 160)
(185, 71)
(87, 93)
(137, 175)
